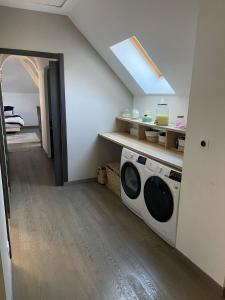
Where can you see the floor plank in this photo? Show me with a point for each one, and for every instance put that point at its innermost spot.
(79, 242)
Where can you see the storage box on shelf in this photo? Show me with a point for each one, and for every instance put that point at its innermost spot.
(127, 125)
(113, 177)
(173, 140)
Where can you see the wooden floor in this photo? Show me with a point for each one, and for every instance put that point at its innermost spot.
(79, 242)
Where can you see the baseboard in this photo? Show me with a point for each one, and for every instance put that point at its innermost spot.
(30, 127)
(211, 282)
(93, 179)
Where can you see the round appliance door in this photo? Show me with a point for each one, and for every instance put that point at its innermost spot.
(131, 181)
(158, 199)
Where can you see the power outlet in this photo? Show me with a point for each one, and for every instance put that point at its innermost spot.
(204, 144)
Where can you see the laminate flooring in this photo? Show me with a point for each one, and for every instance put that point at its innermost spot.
(79, 242)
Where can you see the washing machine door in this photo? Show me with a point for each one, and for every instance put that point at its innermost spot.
(158, 199)
(131, 181)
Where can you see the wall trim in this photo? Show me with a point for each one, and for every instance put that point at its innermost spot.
(31, 126)
(22, 52)
(93, 179)
(210, 281)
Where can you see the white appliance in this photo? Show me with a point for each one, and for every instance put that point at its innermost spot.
(161, 191)
(132, 175)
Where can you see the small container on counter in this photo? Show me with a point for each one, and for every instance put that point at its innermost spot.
(180, 122)
(162, 138)
(135, 113)
(148, 117)
(134, 131)
(180, 143)
(126, 113)
(162, 115)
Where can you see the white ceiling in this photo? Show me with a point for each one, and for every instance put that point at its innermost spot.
(51, 6)
(16, 78)
(54, 3)
(166, 29)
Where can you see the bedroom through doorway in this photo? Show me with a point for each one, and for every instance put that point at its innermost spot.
(33, 105)
(21, 93)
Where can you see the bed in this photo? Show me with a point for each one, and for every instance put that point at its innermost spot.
(13, 123)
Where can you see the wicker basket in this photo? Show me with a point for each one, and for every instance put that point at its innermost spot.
(152, 136)
(101, 175)
(113, 177)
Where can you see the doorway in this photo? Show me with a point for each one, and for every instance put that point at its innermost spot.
(54, 87)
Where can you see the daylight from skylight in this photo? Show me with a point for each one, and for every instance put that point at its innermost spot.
(141, 67)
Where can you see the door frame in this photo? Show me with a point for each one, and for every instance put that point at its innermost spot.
(4, 162)
(62, 105)
(4, 171)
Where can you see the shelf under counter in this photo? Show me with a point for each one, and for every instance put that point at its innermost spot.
(169, 157)
(152, 125)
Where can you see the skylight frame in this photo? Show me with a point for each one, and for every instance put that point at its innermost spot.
(145, 55)
(43, 3)
(141, 67)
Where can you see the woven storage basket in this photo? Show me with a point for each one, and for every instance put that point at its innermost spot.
(101, 175)
(113, 177)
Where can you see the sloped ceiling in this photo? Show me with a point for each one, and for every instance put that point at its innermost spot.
(166, 29)
(16, 79)
(51, 6)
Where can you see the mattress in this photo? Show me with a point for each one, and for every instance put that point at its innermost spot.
(12, 127)
(14, 120)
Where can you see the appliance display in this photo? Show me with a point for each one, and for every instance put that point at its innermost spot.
(161, 191)
(132, 172)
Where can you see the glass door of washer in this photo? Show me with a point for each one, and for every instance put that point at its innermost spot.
(158, 199)
(131, 181)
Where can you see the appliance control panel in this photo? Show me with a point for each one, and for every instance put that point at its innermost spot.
(142, 160)
(176, 176)
(127, 154)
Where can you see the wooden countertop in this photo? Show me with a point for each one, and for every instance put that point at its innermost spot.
(171, 158)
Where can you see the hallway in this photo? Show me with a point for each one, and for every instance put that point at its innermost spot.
(79, 242)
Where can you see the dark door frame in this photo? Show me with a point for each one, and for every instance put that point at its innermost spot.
(4, 171)
(62, 106)
(4, 161)
(52, 74)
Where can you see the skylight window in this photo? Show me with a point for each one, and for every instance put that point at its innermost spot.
(141, 67)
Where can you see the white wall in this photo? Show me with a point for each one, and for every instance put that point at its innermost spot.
(177, 105)
(16, 78)
(5, 262)
(25, 105)
(94, 95)
(2, 282)
(201, 226)
(44, 113)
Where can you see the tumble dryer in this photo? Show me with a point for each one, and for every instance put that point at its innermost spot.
(161, 192)
(132, 175)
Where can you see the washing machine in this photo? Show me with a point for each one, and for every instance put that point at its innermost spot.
(132, 175)
(161, 192)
